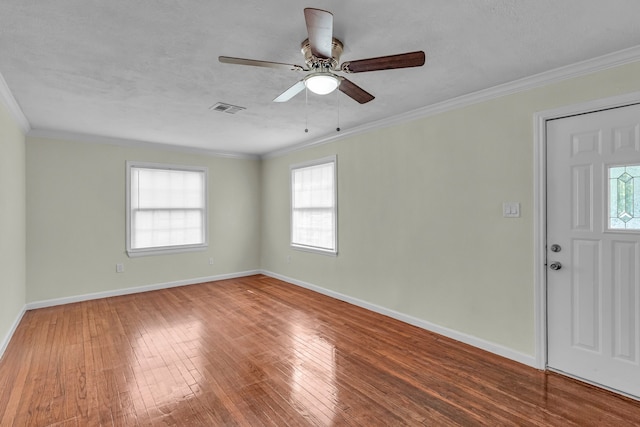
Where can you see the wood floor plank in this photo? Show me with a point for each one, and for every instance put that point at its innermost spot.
(256, 351)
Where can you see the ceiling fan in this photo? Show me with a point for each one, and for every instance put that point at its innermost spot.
(322, 55)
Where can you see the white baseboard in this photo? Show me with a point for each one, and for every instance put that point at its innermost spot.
(137, 289)
(14, 326)
(449, 333)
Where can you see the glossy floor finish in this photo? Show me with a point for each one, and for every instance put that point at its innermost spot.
(257, 351)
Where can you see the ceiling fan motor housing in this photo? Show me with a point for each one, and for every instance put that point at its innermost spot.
(315, 62)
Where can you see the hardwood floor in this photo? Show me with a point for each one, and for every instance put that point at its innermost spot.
(257, 351)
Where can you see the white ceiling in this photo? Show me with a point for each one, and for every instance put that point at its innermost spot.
(147, 70)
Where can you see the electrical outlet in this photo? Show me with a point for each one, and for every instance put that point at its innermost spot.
(211, 261)
(119, 268)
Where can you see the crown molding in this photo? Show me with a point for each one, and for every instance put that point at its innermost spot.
(10, 102)
(578, 69)
(97, 139)
(601, 63)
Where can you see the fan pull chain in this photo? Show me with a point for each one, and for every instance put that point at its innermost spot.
(338, 102)
(306, 109)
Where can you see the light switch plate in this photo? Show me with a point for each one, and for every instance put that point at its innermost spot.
(511, 210)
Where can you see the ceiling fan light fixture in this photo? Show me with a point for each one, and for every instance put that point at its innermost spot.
(322, 83)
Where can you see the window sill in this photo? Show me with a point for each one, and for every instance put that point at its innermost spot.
(133, 253)
(311, 249)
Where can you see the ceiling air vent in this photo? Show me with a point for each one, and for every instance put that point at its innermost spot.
(226, 108)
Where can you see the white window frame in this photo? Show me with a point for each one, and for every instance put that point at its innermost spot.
(162, 250)
(325, 251)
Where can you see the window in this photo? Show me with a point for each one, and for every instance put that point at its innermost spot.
(624, 197)
(313, 206)
(166, 208)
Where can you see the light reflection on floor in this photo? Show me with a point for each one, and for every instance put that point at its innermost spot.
(168, 363)
(314, 373)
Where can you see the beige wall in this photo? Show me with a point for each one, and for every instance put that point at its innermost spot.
(12, 223)
(420, 224)
(76, 219)
(420, 220)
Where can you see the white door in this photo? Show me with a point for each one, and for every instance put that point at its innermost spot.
(593, 274)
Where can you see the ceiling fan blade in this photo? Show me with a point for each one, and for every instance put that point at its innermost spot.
(320, 30)
(291, 92)
(402, 60)
(256, 63)
(354, 91)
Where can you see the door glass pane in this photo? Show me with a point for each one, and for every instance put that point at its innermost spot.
(624, 197)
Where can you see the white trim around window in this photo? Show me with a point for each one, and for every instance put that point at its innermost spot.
(314, 206)
(166, 208)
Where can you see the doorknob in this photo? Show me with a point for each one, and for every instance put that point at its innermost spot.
(555, 266)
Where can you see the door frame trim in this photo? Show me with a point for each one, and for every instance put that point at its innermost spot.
(540, 205)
